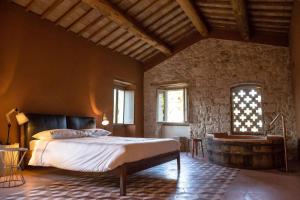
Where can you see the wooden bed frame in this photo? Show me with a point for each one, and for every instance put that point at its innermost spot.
(40, 122)
(130, 168)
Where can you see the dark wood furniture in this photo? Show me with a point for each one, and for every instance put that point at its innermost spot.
(130, 168)
(195, 142)
(246, 151)
(41, 122)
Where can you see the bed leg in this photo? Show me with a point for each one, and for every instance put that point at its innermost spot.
(178, 162)
(123, 177)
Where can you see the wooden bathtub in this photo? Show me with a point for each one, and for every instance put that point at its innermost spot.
(243, 151)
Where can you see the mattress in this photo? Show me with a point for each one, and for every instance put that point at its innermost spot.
(98, 154)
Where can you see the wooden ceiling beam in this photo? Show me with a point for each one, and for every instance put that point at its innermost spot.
(220, 17)
(100, 29)
(267, 13)
(117, 40)
(129, 7)
(116, 48)
(94, 22)
(125, 21)
(116, 29)
(156, 9)
(180, 34)
(134, 48)
(274, 1)
(174, 29)
(151, 5)
(145, 53)
(175, 21)
(164, 19)
(140, 50)
(138, 54)
(128, 46)
(70, 10)
(51, 8)
(271, 30)
(240, 12)
(191, 12)
(106, 35)
(279, 7)
(115, 35)
(217, 5)
(168, 9)
(28, 5)
(152, 54)
(213, 11)
(145, 18)
(70, 26)
(136, 15)
(149, 56)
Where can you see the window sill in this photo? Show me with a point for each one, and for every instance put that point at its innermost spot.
(123, 124)
(173, 123)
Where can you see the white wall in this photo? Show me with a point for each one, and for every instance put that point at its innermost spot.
(169, 131)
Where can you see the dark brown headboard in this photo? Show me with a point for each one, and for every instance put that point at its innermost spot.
(42, 122)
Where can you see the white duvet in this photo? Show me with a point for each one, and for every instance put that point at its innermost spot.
(99, 154)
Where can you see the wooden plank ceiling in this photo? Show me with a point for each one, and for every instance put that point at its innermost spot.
(152, 30)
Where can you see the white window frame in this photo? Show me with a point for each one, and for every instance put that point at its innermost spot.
(115, 111)
(185, 108)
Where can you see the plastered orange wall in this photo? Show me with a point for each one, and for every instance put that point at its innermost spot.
(45, 69)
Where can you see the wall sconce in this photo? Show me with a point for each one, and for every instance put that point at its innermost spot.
(21, 119)
(105, 121)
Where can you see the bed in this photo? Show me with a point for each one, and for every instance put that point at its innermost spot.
(121, 156)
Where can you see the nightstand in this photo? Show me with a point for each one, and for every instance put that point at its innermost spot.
(10, 167)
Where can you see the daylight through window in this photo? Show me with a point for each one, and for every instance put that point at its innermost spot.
(172, 105)
(123, 106)
(246, 101)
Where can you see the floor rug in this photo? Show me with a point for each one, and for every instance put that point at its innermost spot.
(197, 179)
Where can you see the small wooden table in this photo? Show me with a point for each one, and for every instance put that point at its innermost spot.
(11, 172)
(195, 142)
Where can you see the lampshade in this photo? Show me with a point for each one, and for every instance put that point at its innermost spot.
(105, 121)
(21, 118)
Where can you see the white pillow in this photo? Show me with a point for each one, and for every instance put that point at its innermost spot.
(96, 132)
(59, 134)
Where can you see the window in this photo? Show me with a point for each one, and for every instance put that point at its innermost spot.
(172, 105)
(246, 108)
(123, 106)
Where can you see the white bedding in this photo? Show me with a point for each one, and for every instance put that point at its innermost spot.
(97, 154)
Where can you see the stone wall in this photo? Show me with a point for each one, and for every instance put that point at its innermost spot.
(211, 67)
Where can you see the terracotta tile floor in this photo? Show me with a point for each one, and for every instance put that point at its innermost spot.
(265, 185)
(247, 185)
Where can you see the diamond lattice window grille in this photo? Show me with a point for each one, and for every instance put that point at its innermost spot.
(246, 107)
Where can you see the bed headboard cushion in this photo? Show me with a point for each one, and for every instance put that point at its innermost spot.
(81, 122)
(42, 122)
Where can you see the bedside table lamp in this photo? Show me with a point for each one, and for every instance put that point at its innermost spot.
(105, 121)
(21, 119)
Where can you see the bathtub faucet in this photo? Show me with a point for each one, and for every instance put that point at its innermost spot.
(271, 126)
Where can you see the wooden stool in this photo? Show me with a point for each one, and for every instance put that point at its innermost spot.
(195, 142)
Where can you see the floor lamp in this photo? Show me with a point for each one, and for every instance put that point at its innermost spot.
(271, 126)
